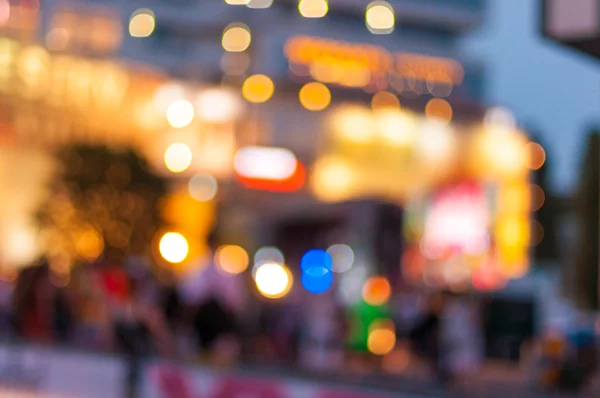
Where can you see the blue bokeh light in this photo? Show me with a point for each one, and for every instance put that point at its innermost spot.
(317, 280)
(316, 258)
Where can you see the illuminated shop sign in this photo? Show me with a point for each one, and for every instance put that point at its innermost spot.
(364, 65)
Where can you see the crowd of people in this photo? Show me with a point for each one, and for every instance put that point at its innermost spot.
(215, 317)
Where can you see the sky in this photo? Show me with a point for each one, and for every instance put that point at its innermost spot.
(554, 89)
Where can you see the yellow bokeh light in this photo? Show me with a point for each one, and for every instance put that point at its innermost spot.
(142, 23)
(180, 113)
(236, 38)
(382, 337)
(384, 100)
(313, 8)
(178, 157)
(173, 247)
(354, 124)
(90, 244)
(258, 88)
(537, 155)
(513, 232)
(231, 259)
(380, 17)
(315, 96)
(333, 179)
(273, 280)
(376, 291)
(515, 198)
(439, 110)
(396, 128)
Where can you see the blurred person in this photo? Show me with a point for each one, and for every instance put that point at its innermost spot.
(7, 287)
(426, 335)
(581, 361)
(138, 328)
(321, 348)
(42, 312)
(461, 339)
(219, 302)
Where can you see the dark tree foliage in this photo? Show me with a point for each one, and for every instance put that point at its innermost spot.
(587, 209)
(102, 193)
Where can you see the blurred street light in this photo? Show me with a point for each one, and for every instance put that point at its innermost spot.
(218, 105)
(231, 259)
(236, 38)
(273, 280)
(178, 157)
(315, 96)
(237, 2)
(259, 3)
(313, 8)
(180, 113)
(258, 89)
(380, 17)
(376, 291)
(203, 187)
(142, 23)
(382, 337)
(173, 247)
(439, 110)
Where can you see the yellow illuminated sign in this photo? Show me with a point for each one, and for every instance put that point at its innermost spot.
(347, 64)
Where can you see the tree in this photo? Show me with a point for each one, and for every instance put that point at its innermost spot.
(587, 209)
(100, 201)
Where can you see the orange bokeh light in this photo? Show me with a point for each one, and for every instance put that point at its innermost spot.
(376, 291)
(292, 184)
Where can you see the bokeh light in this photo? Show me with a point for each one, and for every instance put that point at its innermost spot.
(166, 94)
(315, 96)
(439, 110)
(4, 12)
(396, 361)
(231, 259)
(90, 244)
(217, 105)
(236, 38)
(537, 155)
(259, 3)
(313, 8)
(178, 157)
(317, 280)
(203, 187)
(376, 291)
(384, 99)
(354, 124)
(382, 337)
(173, 247)
(342, 257)
(273, 280)
(142, 23)
(500, 117)
(258, 89)
(380, 17)
(180, 113)
(57, 39)
(538, 197)
(237, 2)
(268, 254)
(396, 128)
(315, 259)
(267, 163)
